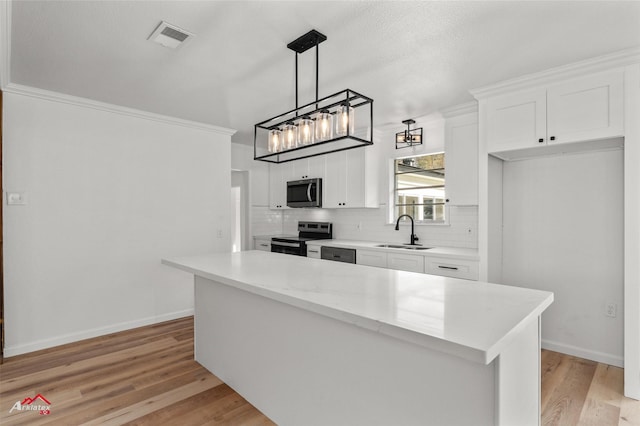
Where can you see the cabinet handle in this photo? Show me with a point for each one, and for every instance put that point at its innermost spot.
(541, 140)
(448, 267)
(312, 251)
(553, 138)
(264, 245)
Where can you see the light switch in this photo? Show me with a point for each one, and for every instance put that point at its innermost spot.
(16, 198)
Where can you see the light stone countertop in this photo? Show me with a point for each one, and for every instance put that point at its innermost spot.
(469, 319)
(449, 252)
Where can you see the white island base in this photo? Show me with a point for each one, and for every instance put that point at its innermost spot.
(302, 365)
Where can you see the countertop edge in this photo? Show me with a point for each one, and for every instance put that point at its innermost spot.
(463, 351)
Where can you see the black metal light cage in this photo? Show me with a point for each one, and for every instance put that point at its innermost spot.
(357, 133)
(361, 115)
(410, 137)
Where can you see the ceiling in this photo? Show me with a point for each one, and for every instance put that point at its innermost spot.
(412, 58)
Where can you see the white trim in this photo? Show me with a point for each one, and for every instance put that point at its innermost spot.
(115, 109)
(632, 233)
(462, 109)
(601, 63)
(583, 353)
(5, 42)
(10, 351)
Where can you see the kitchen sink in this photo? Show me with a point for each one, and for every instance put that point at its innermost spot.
(406, 247)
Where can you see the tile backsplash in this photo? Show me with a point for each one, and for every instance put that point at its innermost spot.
(370, 225)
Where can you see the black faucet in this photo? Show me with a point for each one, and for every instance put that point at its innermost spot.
(414, 237)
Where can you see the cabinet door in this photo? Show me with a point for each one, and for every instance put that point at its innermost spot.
(299, 169)
(516, 121)
(461, 159)
(586, 109)
(313, 252)
(334, 187)
(406, 262)
(371, 258)
(316, 167)
(355, 182)
(278, 177)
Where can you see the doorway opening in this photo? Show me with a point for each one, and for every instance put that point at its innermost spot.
(240, 211)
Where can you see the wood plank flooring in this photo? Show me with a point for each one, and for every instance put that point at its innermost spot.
(577, 391)
(147, 376)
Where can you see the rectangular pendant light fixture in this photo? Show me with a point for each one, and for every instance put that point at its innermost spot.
(409, 137)
(337, 122)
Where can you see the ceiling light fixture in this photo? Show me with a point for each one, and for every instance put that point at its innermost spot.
(337, 122)
(409, 137)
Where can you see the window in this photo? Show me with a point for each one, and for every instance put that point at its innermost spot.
(419, 188)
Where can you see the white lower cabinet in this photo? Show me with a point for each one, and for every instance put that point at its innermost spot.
(405, 262)
(313, 252)
(466, 269)
(371, 258)
(263, 244)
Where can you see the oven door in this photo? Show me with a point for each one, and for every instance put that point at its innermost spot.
(287, 247)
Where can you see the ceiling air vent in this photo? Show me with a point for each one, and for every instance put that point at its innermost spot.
(169, 35)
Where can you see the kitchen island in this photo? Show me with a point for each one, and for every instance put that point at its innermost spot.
(308, 342)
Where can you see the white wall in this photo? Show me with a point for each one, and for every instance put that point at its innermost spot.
(563, 232)
(109, 195)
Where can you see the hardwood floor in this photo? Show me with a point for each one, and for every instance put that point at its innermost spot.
(147, 376)
(577, 391)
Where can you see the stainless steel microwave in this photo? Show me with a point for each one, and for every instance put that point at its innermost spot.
(304, 193)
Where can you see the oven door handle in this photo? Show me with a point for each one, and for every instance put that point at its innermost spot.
(280, 243)
(309, 192)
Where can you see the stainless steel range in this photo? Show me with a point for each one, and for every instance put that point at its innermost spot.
(306, 231)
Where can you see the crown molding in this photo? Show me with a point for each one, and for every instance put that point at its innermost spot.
(462, 109)
(5, 42)
(115, 109)
(601, 63)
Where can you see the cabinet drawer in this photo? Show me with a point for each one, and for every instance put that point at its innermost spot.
(313, 252)
(454, 268)
(264, 245)
(371, 258)
(405, 262)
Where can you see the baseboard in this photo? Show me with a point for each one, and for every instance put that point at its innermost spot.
(10, 351)
(602, 357)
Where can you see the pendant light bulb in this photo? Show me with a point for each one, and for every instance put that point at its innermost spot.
(290, 135)
(324, 126)
(275, 140)
(305, 131)
(345, 120)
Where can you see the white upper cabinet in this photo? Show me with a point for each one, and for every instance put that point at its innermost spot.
(307, 168)
(278, 177)
(582, 109)
(516, 121)
(350, 180)
(586, 109)
(461, 159)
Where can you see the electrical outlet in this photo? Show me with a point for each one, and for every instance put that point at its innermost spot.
(16, 198)
(219, 233)
(611, 310)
